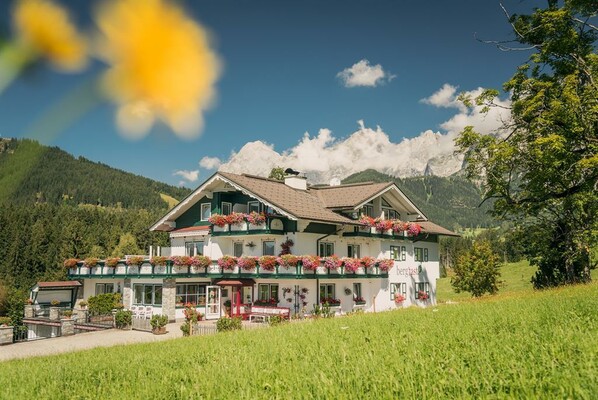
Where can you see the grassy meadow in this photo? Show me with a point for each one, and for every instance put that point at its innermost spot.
(524, 345)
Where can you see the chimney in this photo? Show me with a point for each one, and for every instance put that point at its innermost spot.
(296, 182)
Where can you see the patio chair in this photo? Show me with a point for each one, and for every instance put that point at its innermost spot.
(133, 310)
(140, 312)
(148, 312)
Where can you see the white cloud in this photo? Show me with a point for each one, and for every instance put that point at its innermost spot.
(485, 123)
(364, 74)
(190, 176)
(323, 157)
(210, 162)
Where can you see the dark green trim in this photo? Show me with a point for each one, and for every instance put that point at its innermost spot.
(419, 238)
(235, 275)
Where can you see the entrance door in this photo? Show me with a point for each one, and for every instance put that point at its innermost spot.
(213, 302)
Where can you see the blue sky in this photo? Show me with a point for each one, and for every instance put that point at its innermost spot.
(280, 77)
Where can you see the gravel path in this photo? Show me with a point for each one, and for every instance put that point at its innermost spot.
(83, 341)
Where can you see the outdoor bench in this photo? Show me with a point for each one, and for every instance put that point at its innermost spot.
(263, 313)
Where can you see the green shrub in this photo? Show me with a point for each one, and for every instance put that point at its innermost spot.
(228, 324)
(5, 321)
(477, 271)
(159, 321)
(276, 320)
(104, 303)
(67, 313)
(123, 319)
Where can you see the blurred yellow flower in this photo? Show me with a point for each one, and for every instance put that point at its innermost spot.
(161, 65)
(43, 29)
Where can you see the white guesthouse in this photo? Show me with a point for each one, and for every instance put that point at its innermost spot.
(306, 220)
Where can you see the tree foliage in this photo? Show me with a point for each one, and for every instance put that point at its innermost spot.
(542, 168)
(477, 271)
(277, 173)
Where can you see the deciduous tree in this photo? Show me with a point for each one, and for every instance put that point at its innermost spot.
(542, 168)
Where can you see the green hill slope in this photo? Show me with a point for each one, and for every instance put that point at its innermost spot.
(449, 201)
(33, 173)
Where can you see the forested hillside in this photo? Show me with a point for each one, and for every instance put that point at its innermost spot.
(31, 173)
(449, 201)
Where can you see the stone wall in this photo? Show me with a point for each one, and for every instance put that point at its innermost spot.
(67, 327)
(169, 298)
(6, 333)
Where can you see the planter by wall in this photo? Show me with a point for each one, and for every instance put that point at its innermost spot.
(6, 334)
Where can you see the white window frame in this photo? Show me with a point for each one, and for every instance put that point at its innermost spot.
(235, 244)
(194, 248)
(424, 287)
(398, 287)
(270, 290)
(356, 254)
(357, 289)
(327, 287)
(201, 211)
(327, 246)
(144, 285)
(230, 207)
(104, 285)
(273, 247)
(253, 204)
(418, 254)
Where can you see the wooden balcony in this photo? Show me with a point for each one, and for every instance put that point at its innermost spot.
(274, 225)
(147, 270)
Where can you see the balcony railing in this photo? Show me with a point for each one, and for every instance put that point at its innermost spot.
(367, 231)
(274, 225)
(169, 270)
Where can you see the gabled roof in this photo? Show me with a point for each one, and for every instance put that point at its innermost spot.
(349, 196)
(301, 204)
(314, 204)
(58, 284)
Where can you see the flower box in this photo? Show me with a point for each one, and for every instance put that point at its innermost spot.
(239, 227)
(120, 269)
(160, 269)
(223, 228)
(260, 227)
(321, 271)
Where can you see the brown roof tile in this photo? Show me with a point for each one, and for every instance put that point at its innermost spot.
(349, 196)
(431, 227)
(304, 204)
(58, 284)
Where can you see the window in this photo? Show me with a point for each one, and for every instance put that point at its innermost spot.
(357, 291)
(149, 295)
(253, 206)
(190, 293)
(327, 291)
(398, 253)
(102, 288)
(267, 291)
(326, 249)
(422, 287)
(398, 288)
(389, 213)
(193, 249)
(268, 248)
(227, 208)
(206, 211)
(425, 255)
(368, 209)
(353, 251)
(237, 249)
(419, 254)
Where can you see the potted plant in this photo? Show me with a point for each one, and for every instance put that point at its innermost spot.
(158, 260)
(367, 261)
(310, 263)
(218, 220)
(288, 260)
(247, 263)
(227, 262)
(158, 323)
(351, 264)
(359, 300)
(135, 261)
(255, 218)
(67, 313)
(112, 262)
(70, 263)
(91, 262)
(83, 304)
(399, 298)
(332, 262)
(181, 261)
(385, 265)
(201, 261)
(413, 229)
(123, 319)
(421, 295)
(267, 263)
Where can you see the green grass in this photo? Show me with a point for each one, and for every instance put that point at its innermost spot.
(515, 277)
(529, 345)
